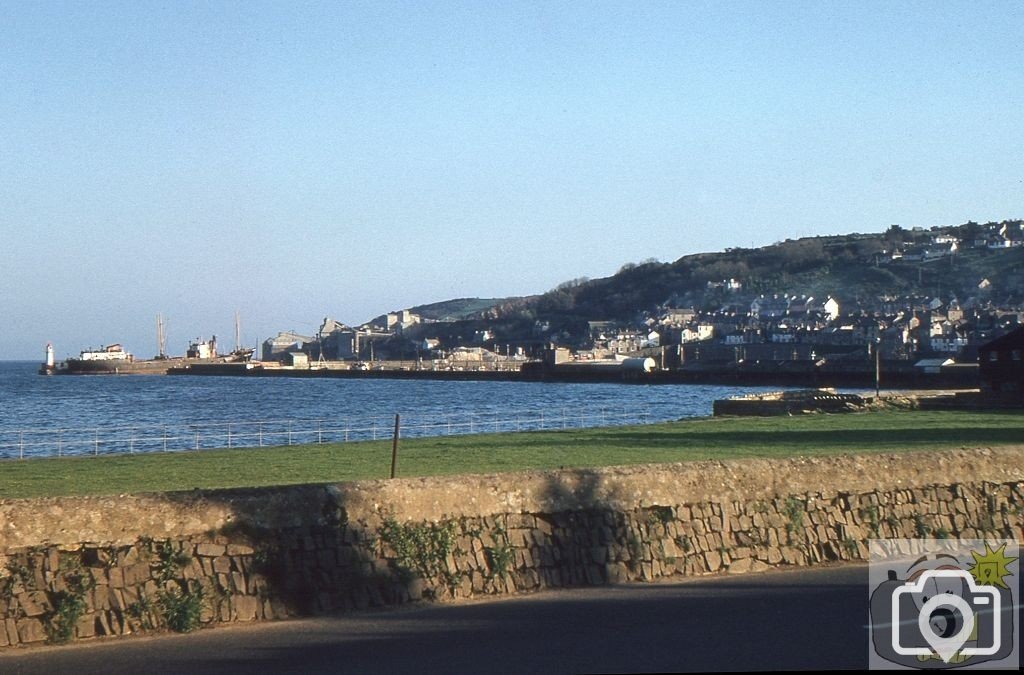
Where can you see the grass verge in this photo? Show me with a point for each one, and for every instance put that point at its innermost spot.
(706, 438)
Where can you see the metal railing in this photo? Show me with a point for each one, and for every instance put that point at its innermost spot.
(34, 443)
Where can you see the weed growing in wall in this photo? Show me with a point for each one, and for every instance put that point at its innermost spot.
(69, 604)
(68, 608)
(170, 561)
(143, 611)
(16, 574)
(421, 548)
(794, 512)
(870, 515)
(19, 573)
(499, 559)
(660, 515)
(501, 556)
(181, 608)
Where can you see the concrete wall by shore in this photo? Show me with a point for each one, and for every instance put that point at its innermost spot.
(78, 567)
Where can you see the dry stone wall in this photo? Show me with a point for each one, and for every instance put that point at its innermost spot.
(182, 561)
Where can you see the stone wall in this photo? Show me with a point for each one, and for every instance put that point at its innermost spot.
(76, 568)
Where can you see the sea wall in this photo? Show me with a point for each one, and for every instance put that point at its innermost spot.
(80, 567)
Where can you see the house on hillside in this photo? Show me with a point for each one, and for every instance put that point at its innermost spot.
(696, 333)
(1011, 234)
(831, 308)
(400, 321)
(678, 317)
(769, 308)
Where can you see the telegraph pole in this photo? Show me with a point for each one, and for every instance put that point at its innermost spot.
(878, 367)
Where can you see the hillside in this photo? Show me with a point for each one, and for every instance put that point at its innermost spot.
(456, 310)
(860, 270)
(857, 269)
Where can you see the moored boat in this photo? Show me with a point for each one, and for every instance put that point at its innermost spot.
(115, 360)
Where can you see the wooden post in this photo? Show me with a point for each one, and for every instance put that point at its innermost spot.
(394, 448)
(878, 368)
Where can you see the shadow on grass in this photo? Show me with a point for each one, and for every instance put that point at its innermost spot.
(916, 436)
(811, 439)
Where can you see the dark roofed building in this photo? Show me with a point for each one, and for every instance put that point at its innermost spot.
(1001, 363)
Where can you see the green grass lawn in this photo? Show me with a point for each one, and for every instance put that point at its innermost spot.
(707, 438)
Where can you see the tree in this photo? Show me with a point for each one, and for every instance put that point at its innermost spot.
(895, 235)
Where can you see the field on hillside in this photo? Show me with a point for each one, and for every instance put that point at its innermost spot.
(700, 439)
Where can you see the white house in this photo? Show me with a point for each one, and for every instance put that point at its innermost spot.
(831, 308)
(703, 331)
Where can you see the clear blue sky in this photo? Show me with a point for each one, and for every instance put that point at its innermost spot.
(297, 160)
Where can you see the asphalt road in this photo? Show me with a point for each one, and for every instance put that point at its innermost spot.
(803, 619)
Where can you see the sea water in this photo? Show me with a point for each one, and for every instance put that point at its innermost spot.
(99, 414)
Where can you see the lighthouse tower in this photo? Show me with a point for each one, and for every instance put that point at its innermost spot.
(50, 367)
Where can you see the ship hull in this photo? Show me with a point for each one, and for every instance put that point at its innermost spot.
(117, 367)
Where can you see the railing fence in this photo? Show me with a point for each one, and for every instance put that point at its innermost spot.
(41, 442)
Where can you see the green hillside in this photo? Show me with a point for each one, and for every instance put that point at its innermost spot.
(856, 269)
(456, 310)
(859, 270)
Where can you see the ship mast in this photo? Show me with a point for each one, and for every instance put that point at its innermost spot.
(238, 331)
(161, 338)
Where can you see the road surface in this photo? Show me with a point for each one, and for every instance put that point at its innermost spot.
(794, 619)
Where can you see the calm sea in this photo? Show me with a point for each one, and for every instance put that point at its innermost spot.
(102, 414)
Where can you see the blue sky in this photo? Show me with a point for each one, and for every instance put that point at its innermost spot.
(297, 160)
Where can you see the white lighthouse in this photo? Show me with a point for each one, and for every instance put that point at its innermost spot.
(49, 367)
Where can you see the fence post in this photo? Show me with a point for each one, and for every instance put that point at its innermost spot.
(373, 427)
(131, 441)
(60, 444)
(259, 432)
(346, 429)
(165, 437)
(197, 438)
(96, 447)
(319, 432)
(229, 436)
(289, 432)
(21, 445)
(394, 448)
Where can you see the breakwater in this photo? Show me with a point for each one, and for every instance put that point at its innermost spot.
(901, 376)
(80, 567)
